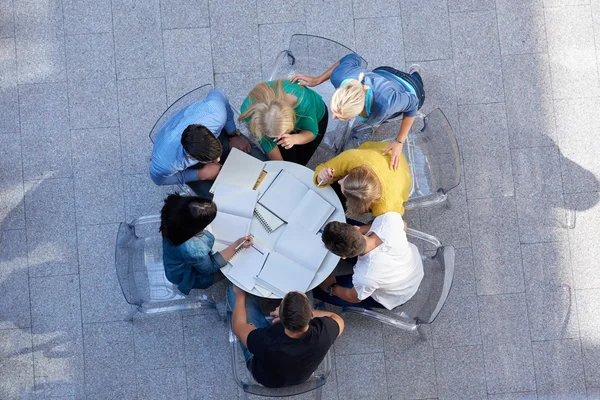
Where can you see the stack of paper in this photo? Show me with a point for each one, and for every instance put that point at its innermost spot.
(246, 265)
(240, 169)
(235, 207)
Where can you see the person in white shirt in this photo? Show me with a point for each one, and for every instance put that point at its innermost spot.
(388, 270)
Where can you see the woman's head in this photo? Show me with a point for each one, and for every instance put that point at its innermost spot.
(183, 217)
(361, 188)
(271, 113)
(348, 100)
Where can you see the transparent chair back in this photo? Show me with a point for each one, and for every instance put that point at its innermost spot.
(434, 160)
(313, 55)
(431, 296)
(141, 274)
(190, 97)
(244, 380)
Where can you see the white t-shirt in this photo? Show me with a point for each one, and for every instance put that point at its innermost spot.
(392, 272)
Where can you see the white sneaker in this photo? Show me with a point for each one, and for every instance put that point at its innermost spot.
(415, 68)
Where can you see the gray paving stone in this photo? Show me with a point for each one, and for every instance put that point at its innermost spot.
(55, 304)
(488, 174)
(449, 221)
(9, 100)
(237, 85)
(584, 249)
(576, 122)
(138, 39)
(589, 317)
(201, 348)
(44, 114)
(536, 170)
(14, 280)
(280, 11)
(542, 218)
(93, 103)
(332, 20)
(361, 375)
(427, 30)
(407, 355)
(591, 362)
(234, 36)
(7, 22)
(90, 56)
(571, 52)
(513, 396)
(101, 296)
(162, 384)
(528, 92)
(142, 196)
(552, 314)
(184, 14)
(201, 381)
(476, 57)
(593, 393)
(370, 32)
(464, 283)
(275, 38)
(458, 322)
(506, 343)
(16, 364)
(559, 368)
(141, 104)
(496, 253)
(158, 341)
(39, 30)
(460, 373)
(51, 235)
(363, 335)
(483, 128)
(376, 8)
(188, 62)
(88, 16)
(559, 3)
(521, 27)
(470, 5)
(98, 178)
(546, 266)
(12, 213)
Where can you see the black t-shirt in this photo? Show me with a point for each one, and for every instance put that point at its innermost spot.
(280, 360)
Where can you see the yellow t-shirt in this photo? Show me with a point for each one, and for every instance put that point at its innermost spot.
(395, 184)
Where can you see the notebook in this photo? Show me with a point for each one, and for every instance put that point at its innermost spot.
(267, 219)
(293, 202)
(240, 169)
(246, 265)
(281, 275)
(235, 207)
(302, 246)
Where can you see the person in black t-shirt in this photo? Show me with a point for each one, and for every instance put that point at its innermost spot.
(287, 351)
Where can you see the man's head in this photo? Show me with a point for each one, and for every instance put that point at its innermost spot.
(200, 143)
(343, 239)
(295, 312)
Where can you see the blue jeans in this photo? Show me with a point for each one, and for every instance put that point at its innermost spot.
(344, 281)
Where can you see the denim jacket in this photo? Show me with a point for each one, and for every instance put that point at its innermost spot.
(192, 264)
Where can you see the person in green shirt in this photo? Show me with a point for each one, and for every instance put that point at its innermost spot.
(288, 120)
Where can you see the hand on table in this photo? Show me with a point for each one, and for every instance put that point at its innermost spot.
(209, 172)
(305, 80)
(396, 149)
(325, 176)
(240, 143)
(287, 141)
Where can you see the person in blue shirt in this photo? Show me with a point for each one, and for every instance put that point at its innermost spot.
(190, 145)
(188, 258)
(373, 97)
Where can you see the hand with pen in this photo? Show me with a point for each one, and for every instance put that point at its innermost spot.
(325, 176)
(229, 251)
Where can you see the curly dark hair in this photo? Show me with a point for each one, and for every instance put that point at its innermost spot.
(183, 217)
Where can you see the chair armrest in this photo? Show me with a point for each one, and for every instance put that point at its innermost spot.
(381, 317)
(423, 236)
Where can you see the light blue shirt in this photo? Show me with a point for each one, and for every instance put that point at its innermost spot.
(390, 96)
(169, 159)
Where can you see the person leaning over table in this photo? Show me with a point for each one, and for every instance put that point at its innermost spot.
(364, 182)
(373, 97)
(189, 146)
(287, 351)
(289, 120)
(188, 258)
(387, 272)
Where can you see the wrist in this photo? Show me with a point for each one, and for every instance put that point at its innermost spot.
(399, 141)
(331, 290)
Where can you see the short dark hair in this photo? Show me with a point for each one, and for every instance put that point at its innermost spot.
(295, 311)
(343, 239)
(183, 217)
(199, 142)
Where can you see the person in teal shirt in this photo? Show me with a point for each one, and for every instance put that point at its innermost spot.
(288, 120)
(188, 258)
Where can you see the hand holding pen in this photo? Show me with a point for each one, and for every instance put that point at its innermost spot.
(325, 176)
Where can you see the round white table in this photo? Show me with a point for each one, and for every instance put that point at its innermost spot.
(268, 240)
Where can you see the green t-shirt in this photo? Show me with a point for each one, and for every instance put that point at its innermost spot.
(309, 111)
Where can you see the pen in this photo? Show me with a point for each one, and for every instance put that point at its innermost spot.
(240, 245)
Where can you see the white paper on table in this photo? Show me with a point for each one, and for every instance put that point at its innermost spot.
(283, 195)
(228, 228)
(312, 212)
(235, 208)
(281, 275)
(303, 247)
(247, 265)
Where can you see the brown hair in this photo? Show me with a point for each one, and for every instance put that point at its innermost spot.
(361, 187)
(295, 311)
(343, 239)
(199, 142)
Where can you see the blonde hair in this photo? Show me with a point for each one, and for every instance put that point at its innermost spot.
(270, 114)
(362, 187)
(349, 99)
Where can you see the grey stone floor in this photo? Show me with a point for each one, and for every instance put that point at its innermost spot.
(82, 82)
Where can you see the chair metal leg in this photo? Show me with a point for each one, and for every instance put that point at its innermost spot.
(318, 393)
(421, 331)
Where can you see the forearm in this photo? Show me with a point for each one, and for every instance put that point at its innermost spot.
(238, 319)
(275, 154)
(304, 137)
(405, 128)
(348, 294)
(327, 74)
(228, 252)
(322, 313)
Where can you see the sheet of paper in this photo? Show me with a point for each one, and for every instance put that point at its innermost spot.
(264, 292)
(228, 228)
(284, 195)
(312, 212)
(282, 275)
(235, 200)
(240, 169)
(301, 246)
(247, 265)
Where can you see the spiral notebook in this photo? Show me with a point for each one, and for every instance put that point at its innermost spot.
(267, 219)
(246, 265)
(235, 207)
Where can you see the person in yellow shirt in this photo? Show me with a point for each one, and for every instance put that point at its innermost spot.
(366, 181)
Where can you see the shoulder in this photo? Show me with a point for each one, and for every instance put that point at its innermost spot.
(326, 326)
